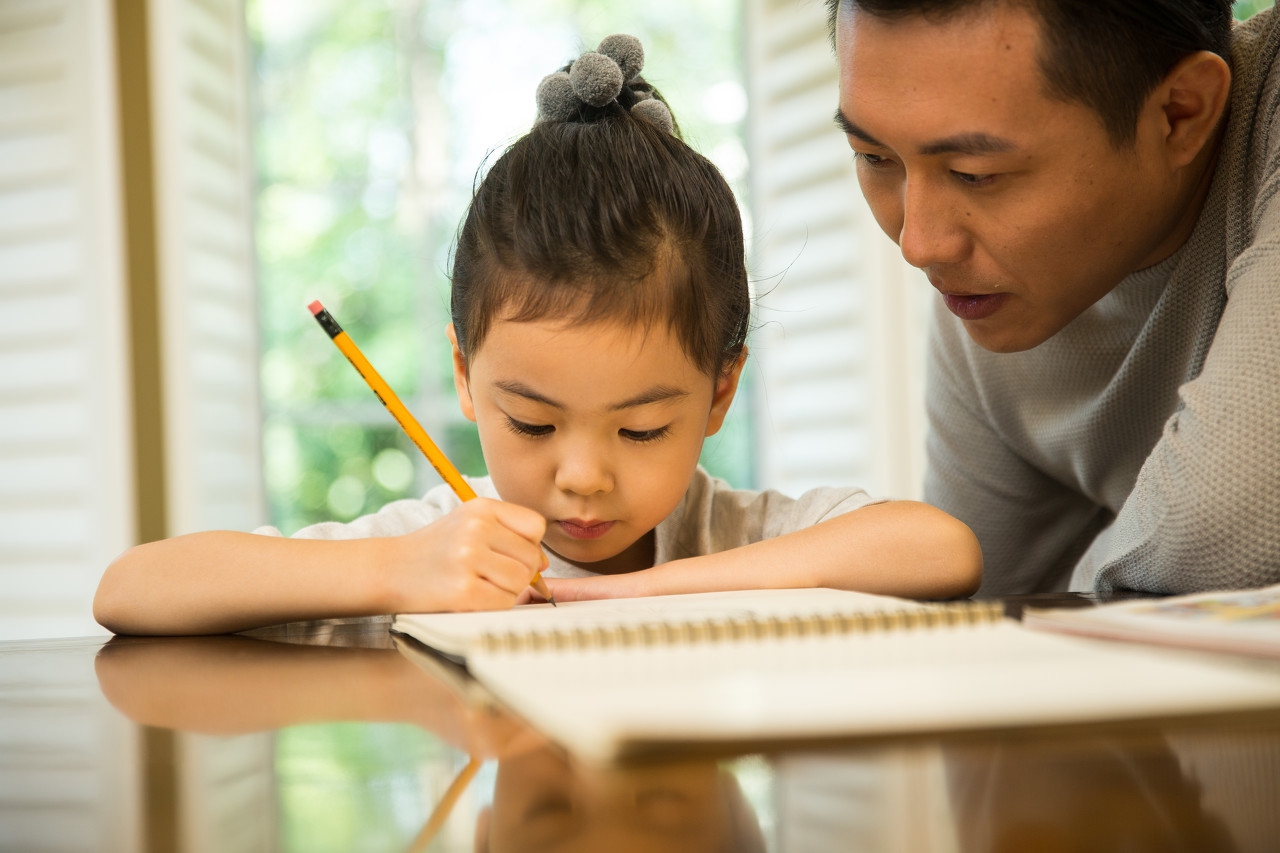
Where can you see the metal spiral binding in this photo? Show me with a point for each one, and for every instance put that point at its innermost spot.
(744, 630)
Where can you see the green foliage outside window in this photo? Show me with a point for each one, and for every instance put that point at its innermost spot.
(1245, 9)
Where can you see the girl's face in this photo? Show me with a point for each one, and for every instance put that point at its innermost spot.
(598, 427)
(541, 801)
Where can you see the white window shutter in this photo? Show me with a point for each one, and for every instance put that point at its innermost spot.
(840, 342)
(66, 455)
(226, 793)
(203, 181)
(69, 489)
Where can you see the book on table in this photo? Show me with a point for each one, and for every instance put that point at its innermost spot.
(1239, 621)
(624, 677)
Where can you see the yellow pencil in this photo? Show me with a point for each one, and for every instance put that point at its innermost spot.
(441, 812)
(406, 419)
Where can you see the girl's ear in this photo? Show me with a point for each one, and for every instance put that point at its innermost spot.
(726, 388)
(460, 376)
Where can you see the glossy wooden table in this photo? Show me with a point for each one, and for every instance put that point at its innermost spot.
(323, 737)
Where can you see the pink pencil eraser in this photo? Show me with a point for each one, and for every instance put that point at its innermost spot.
(316, 307)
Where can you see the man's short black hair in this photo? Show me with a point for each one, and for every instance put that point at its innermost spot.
(1107, 54)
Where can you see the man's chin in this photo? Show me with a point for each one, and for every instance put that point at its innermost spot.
(1006, 335)
(1006, 344)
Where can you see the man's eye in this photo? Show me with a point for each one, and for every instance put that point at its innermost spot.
(521, 428)
(875, 161)
(973, 180)
(641, 436)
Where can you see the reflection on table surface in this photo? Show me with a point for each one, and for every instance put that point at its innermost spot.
(330, 736)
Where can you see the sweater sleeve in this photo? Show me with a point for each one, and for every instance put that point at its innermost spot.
(1031, 527)
(1204, 513)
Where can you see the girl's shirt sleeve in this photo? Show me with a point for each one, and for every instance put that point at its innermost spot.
(715, 517)
(394, 519)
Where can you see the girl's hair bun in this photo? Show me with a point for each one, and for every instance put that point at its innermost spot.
(597, 79)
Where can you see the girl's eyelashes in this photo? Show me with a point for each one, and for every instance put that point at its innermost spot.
(531, 430)
(638, 436)
(646, 435)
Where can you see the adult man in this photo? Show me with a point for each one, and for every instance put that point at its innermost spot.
(1091, 185)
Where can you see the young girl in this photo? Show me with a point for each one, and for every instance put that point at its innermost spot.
(600, 308)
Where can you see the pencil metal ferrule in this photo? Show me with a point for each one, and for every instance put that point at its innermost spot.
(326, 321)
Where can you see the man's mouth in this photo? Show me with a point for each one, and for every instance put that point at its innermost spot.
(577, 528)
(974, 306)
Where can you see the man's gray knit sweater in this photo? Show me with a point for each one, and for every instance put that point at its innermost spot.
(1139, 448)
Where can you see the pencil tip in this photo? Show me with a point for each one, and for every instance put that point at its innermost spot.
(553, 601)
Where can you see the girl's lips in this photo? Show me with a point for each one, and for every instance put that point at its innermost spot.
(976, 306)
(578, 529)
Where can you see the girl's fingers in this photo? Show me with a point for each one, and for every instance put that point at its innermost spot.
(481, 556)
(521, 520)
(517, 534)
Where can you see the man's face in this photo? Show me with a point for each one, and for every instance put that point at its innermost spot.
(1018, 207)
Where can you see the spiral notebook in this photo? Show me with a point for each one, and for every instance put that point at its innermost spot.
(742, 670)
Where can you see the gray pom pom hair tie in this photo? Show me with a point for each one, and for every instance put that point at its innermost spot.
(596, 79)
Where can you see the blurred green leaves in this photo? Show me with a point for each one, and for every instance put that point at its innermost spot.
(346, 787)
(1245, 9)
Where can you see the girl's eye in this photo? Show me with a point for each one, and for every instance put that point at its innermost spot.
(646, 435)
(532, 430)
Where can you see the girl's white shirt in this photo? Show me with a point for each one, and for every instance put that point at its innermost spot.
(712, 517)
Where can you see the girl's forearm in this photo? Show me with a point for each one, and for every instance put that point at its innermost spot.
(898, 548)
(233, 685)
(224, 581)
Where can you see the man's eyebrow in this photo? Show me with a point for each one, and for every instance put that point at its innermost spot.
(974, 144)
(851, 129)
(968, 143)
(656, 394)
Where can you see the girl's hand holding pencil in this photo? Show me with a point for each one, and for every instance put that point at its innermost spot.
(478, 557)
(483, 536)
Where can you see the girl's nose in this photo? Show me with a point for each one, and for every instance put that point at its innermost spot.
(585, 472)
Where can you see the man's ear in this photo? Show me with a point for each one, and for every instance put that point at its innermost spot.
(1188, 105)
(460, 381)
(726, 388)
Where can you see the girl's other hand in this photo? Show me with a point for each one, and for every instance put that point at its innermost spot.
(481, 556)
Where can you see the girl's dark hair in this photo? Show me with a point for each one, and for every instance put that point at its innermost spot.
(1106, 54)
(606, 217)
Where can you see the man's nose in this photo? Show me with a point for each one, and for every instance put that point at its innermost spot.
(932, 232)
